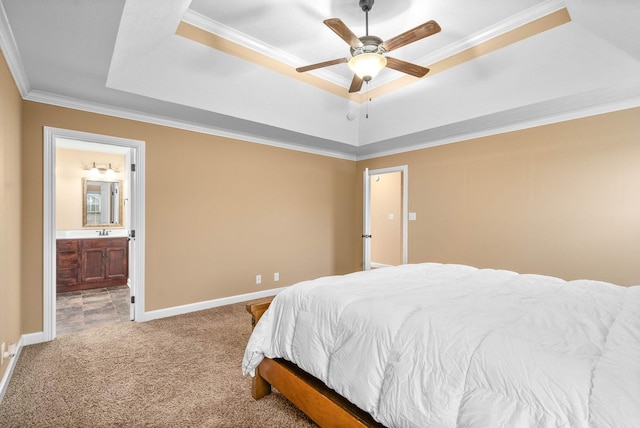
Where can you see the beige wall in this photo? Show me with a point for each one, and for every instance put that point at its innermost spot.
(218, 211)
(10, 209)
(559, 200)
(71, 168)
(386, 201)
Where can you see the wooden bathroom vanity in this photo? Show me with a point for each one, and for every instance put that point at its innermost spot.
(91, 263)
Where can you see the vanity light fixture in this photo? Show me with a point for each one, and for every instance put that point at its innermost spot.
(101, 169)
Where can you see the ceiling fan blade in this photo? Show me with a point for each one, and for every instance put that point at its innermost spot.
(407, 67)
(356, 84)
(420, 32)
(343, 32)
(321, 64)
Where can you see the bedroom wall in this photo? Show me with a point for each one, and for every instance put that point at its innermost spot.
(11, 209)
(218, 211)
(560, 200)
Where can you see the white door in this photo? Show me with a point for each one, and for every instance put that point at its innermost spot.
(366, 222)
(136, 230)
(368, 234)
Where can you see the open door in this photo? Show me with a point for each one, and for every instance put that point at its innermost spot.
(369, 232)
(366, 223)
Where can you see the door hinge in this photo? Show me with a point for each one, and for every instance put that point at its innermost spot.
(132, 234)
(366, 236)
(133, 167)
(133, 299)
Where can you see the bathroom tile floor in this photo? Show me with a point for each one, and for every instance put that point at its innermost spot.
(85, 309)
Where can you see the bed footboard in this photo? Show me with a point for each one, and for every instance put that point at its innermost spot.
(259, 386)
(326, 407)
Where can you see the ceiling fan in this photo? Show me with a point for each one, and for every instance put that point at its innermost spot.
(367, 57)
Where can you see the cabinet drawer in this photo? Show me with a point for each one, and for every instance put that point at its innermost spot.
(67, 276)
(67, 261)
(104, 243)
(67, 244)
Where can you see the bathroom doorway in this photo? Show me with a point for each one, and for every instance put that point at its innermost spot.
(98, 280)
(385, 217)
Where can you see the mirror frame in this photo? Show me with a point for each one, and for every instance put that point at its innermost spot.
(120, 224)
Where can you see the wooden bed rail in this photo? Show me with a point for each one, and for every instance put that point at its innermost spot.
(323, 405)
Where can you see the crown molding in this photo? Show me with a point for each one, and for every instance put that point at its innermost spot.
(518, 20)
(77, 104)
(205, 23)
(11, 54)
(577, 113)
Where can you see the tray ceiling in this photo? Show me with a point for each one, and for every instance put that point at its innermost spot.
(227, 68)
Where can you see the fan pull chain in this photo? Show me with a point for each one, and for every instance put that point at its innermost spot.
(368, 102)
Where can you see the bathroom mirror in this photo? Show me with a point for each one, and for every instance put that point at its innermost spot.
(101, 203)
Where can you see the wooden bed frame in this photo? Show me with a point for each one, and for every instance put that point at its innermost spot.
(323, 405)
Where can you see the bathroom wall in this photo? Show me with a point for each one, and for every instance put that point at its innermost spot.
(386, 218)
(71, 167)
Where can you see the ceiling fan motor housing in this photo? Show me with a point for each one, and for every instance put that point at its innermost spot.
(370, 44)
(366, 5)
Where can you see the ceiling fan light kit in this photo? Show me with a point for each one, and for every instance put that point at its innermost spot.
(367, 59)
(367, 65)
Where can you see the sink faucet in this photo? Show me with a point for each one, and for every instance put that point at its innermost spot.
(103, 232)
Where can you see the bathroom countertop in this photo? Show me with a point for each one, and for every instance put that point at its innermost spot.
(91, 233)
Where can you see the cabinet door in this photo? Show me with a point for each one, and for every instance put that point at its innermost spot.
(92, 266)
(116, 263)
(66, 262)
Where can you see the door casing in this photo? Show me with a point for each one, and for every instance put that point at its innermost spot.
(136, 266)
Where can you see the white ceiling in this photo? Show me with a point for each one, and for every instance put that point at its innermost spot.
(124, 58)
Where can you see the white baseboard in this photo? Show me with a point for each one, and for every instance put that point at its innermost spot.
(4, 383)
(200, 306)
(32, 338)
(379, 265)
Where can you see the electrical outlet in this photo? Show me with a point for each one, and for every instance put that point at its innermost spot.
(6, 354)
(258, 279)
(276, 276)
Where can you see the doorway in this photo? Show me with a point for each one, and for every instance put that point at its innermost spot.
(130, 235)
(385, 217)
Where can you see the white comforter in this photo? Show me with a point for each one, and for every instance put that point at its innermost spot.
(433, 345)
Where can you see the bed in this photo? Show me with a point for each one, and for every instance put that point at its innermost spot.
(445, 345)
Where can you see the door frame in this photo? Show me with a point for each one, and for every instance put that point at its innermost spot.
(137, 197)
(366, 235)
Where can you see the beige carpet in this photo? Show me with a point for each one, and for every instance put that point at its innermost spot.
(179, 371)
